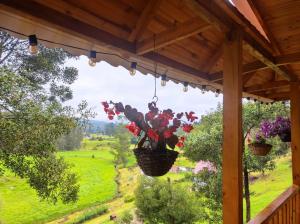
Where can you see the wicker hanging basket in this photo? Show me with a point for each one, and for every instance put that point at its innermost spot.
(285, 137)
(260, 149)
(155, 162)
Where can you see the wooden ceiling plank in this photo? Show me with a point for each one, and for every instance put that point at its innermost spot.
(144, 19)
(180, 32)
(267, 86)
(82, 15)
(247, 77)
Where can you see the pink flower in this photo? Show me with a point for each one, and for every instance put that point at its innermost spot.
(133, 128)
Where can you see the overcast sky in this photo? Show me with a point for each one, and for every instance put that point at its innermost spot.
(105, 82)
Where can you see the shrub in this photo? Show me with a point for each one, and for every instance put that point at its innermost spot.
(126, 218)
(128, 198)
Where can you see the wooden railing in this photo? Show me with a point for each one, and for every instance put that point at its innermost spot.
(283, 210)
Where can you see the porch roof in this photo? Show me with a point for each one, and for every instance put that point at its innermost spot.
(188, 36)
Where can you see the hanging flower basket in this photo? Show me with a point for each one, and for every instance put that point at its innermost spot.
(155, 162)
(260, 149)
(156, 131)
(281, 127)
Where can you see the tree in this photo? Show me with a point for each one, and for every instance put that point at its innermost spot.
(32, 117)
(206, 144)
(122, 146)
(71, 141)
(159, 201)
(46, 69)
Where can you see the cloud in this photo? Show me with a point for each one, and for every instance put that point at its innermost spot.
(105, 82)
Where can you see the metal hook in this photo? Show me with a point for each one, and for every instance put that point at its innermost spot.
(155, 99)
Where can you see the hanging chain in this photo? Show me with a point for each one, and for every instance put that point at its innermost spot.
(155, 98)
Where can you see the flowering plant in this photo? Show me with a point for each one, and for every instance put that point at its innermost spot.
(279, 127)
(260, 138)
(156, 128)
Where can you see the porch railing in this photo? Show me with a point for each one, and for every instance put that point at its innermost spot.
(284, 210)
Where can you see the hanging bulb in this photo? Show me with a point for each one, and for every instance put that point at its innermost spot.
(255, 100)
(248, 98)
(92, 58)
(203, 89)
(217, 93)
(132, 70)
(163, 80)
(185, 86)
(33, 48)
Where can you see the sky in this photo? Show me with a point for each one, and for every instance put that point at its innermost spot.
(105, 82)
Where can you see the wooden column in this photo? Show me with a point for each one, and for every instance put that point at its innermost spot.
(295, 129)
(232, 127)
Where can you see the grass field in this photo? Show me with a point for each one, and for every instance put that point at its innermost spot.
(267, 188)
(20, 204)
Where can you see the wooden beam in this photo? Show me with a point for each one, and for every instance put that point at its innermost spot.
(267, 61)
(212, 60)
(258, 65)
(180, 32)
(232, 124)
(266, 86)
(295, 131)
(144, 19)
(247, 77)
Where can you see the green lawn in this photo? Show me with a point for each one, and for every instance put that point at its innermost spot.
(267, 188)
(20, 204)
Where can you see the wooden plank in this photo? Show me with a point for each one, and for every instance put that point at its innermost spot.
(232, 125)
(214, 58)
(272, 208)
(268, 61)
(284, 214)
(177, 33)
(144, 19)
(295, 130)
(266, 86)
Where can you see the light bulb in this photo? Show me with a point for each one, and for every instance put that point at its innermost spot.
(248, 98)
(203, 89)
(92, 62)
(92, 58)
(163, 80)
(33, 48)
(132, 69)
(217, 93)
(185, 87)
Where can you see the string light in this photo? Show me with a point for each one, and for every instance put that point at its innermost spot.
(163, 80)
(185, 86)
(217, 93)
(248, 98)
(132, 69)
(92, 58)
(33, 48)
(203, 89)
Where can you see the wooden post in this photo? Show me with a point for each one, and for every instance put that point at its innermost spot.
(232, 127)
(295, 130)
(295, 145)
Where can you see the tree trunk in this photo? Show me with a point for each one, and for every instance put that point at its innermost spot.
(247, 192)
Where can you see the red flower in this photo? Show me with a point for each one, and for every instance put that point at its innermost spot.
(190, 116)
(180, 143)
(168, 133)
(133, 128)
(187, 128)
(153, 135)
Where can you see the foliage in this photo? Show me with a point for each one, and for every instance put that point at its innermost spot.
(158, 201)
(89, 214)
(41, 70)
(96, 178)
(71, 140)
(126, 218)
(205, 143)
(157, 127)
(122, 146)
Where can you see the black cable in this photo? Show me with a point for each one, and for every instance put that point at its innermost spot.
(103, 53)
